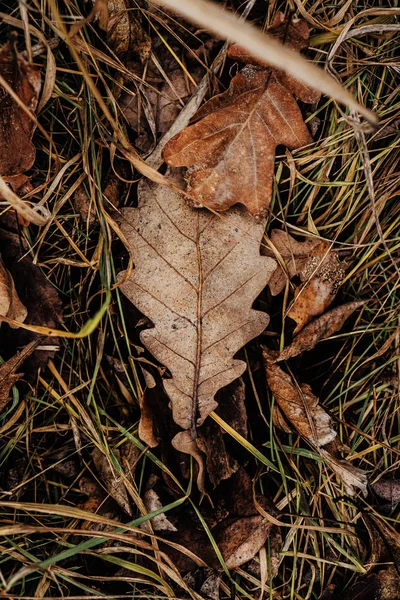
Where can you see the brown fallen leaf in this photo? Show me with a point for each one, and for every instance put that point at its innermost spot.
(10, 304)
(231, 148)
(319, 329)
(294, 255)
(125, 34)
(17, 152)
(240, 540)
(114, 484)
(8, 375)
(196, 277)
(300, 407)
(322, 275)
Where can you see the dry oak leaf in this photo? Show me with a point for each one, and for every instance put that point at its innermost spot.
(319, 329)
(231, 148)
(300, 406)
(292, 253)
(17, 152)
(322, 275)
(10, 304)
(196, 277)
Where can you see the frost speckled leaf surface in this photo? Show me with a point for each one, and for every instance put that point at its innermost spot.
(196, 277)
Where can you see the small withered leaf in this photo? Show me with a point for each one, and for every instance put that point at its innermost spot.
(17, 152)
(319, 329)
(196, 277)
(300, 406)
(231, 148)
(292, 253)
(112, 482)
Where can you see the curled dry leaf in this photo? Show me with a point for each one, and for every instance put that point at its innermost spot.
(319, 329)
(17, 152)
(300, 406)
(231, 148)
(352, 477)
(322, 275)
(196, 277)
(183, 442)
(292, 253)
(8, 374)
(152, 503)
(10, 304)
(114, 485)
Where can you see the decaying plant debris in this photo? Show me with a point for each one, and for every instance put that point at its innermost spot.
(199, 367)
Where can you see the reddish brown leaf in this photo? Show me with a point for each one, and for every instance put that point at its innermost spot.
(319, 329)
(322, 274)
(17, 152)
(231, 148)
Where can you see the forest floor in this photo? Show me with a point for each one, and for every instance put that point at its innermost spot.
(95, 500)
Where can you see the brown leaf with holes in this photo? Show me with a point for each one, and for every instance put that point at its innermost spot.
(319, 329)
(321, 276)
(292, 257)
(8, 374)
(17, 152)
(300, 406)
(231, 148)
(196, 277)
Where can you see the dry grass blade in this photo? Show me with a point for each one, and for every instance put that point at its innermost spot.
(220, 22)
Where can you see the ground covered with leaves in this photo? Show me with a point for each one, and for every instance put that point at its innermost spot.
(199, 274)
